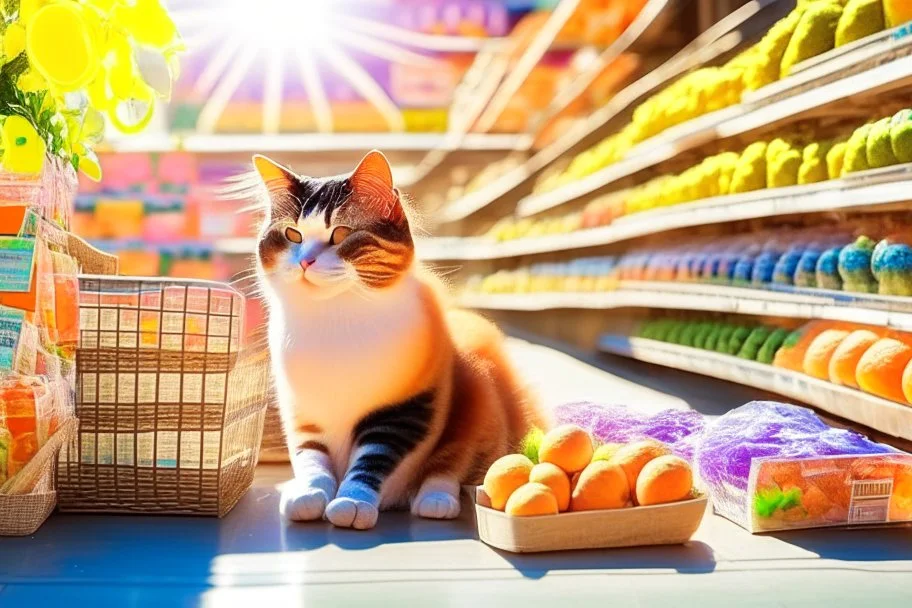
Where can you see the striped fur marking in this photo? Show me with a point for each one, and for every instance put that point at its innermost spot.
(312, 445)
(384, 438)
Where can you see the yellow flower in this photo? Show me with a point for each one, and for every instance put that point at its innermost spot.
(149, 24)
(60, 46)
(32, 82)
(13, 41)
(23, 149)
(28, 8)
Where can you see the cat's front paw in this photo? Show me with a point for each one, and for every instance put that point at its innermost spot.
(436, 505)
(301, 502)
(350, 513)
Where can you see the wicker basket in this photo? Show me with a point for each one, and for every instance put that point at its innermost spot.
(171, 409)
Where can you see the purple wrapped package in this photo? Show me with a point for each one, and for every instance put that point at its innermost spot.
(770, 466)
(679, 429)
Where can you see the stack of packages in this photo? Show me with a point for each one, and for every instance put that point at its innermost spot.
(65, 67)
(39, 317)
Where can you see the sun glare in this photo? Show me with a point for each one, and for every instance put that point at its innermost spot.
(281, 24)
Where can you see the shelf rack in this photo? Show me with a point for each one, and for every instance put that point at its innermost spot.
(880, 414)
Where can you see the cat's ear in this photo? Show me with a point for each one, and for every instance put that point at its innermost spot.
(372, 180)
(281, 184)
(272, 173)
(373, 175)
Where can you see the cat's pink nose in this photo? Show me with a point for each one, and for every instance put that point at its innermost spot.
(306, 263)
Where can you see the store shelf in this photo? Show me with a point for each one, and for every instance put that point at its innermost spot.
(775, 300)
(865, 189)
(314, 143)
(805, 93)
(880, 414)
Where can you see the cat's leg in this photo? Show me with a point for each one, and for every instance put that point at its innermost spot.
(380, 442)
(437, 498)
(314, 485)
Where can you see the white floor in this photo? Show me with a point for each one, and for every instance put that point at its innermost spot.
(252, 558)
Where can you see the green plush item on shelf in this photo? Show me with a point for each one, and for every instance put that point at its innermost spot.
(814, 35)
(712, 339)
(736, 339)
(856, 154)
(771, 345)
(662, 329)
(765, 66)
(674, 335)
(689, 333)
(754, 342)
(724, 336)
(901, 136)
(814, 163)
(835, 158)
(782, 164)
(702, 334)
(530, 444)
(750, 172)
(860, 18)
(879, 146)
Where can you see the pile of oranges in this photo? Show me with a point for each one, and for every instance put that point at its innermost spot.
(572, 475)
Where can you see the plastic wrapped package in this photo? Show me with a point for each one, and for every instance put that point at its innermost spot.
(772, 466)
(679, 429)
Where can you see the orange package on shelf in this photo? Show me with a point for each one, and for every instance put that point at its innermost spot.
(118, 219)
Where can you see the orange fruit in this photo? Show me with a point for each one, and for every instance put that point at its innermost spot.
(907, 383)
(573, 481)
(664, 479)
(881, 369)
(568, 446)
(606, 451)
(634, 456)
(818, 355)
(845, 358)
(532, 499)
(791, 354)
(504, 476)
(554, 477)
(601, 485)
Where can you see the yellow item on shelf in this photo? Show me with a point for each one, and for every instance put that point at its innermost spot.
(859, 19)
(815, 34)
(814, 163)
(878, 151)
(750, 172)
(765, 67)
(783, 162)
(901, 136)
(835, 158)
(856, 154)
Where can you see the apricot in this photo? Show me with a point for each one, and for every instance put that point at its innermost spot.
(532, 499)
(881, 369)
(557, 481)
(664, 479)
(568, 446)
(818, 355)
(845, 358)
(606, 451)
(504, 476)
(601, 485)
(634, 456)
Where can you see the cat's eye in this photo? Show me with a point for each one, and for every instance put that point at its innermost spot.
(294, 235)
(339, 234)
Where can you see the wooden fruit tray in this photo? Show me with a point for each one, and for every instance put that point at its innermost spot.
(670, 524)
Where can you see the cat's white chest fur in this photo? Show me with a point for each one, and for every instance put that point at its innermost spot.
(339, 359)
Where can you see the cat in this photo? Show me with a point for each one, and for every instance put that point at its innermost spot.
(388, 398)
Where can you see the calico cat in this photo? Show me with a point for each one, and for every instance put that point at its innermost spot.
(388, 398)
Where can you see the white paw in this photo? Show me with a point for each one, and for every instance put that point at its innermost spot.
(436, 505)
(301, 502)
(350, 513)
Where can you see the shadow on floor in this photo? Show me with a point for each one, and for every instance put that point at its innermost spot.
(692, 558)
(854, 544)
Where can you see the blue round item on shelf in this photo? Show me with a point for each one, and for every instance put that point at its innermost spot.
(828, 269)
(854, 266)
(805, 274)
(764, 267)
(892, 266)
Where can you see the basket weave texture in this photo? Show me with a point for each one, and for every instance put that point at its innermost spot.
(171, 408)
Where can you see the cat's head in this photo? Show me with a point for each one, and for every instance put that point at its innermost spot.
(327, 236)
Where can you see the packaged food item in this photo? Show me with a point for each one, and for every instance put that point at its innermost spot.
(773, 466)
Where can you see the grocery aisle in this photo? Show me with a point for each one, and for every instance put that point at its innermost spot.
(251, 556)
